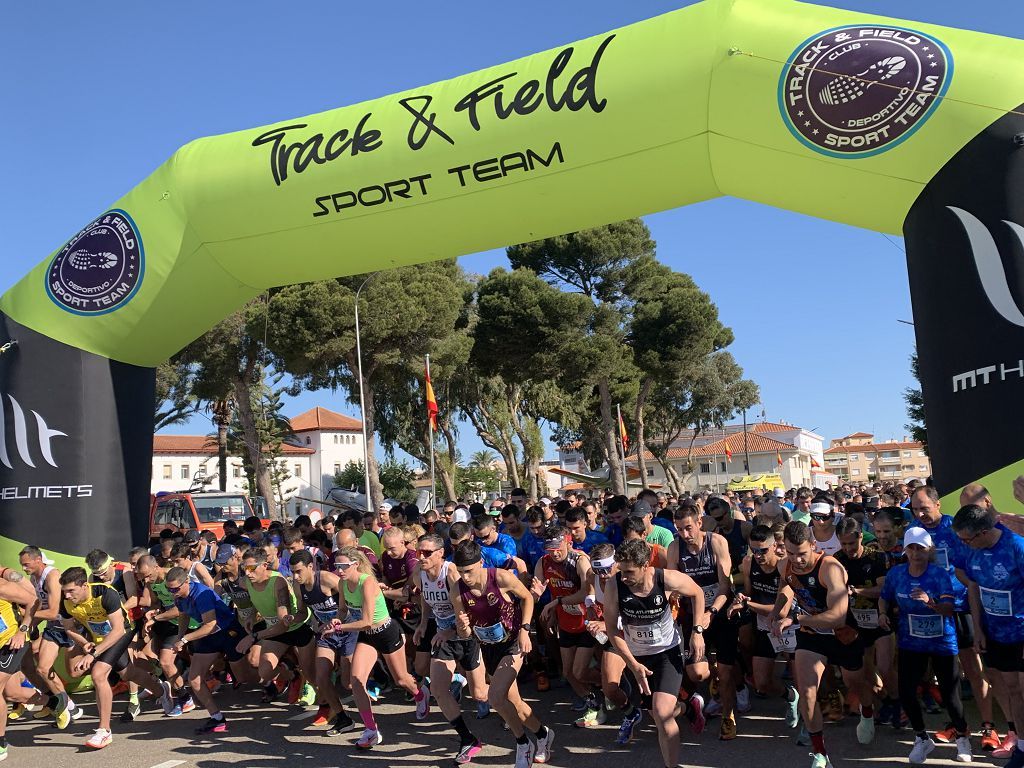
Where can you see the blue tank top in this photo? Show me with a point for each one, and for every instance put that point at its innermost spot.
(949, 555)
(920, 628)
(999, 573)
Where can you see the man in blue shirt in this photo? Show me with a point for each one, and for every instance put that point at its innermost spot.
(994, 566)
(949, 551)
(487, 535)
(583, 538)
(218, 633)
(491, 556)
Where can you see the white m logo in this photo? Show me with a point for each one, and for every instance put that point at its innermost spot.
(21, 435)
(990, 264)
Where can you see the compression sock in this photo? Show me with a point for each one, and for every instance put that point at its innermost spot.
(368, 721)
(818, 742)
(465, 735)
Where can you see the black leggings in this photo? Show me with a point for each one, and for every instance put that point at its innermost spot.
(912, 667)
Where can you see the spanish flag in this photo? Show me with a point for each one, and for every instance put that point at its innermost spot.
(728, 453)
(622, 433)
(778, 457)
(431, 402)
(815, 464)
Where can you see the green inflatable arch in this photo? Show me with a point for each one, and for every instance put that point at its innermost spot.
(901, 127)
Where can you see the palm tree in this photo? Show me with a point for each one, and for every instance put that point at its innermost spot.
(483, 459)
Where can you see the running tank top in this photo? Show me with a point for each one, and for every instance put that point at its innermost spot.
(829, 547)
(563, 580)
(354, 600)
(701, 566)
(8, 622)
(322, 604)
(265, 601)
(737, 544)
(40, 585)
(237, 596)
(764, 586)
(647, 624)
(436, 594)
(811, 595)
(493, 617)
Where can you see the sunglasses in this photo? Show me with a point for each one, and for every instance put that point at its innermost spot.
(250, 568)
(969, 539)
(343, 566)
(426, 552)
(760, 551)
(602, 571)
(821, 518)
(176, 589)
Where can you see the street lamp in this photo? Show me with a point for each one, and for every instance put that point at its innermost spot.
(362, 409)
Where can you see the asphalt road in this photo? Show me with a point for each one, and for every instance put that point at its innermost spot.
(276, 735)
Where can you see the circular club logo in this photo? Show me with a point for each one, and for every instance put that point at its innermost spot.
(859, 90)
(100, 268)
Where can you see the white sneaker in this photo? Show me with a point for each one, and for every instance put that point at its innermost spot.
(524, 754)
(922, 748)
(544, 746)
(963, 749)
(866, 730)
(743, 700)
(369, 739)
(423, 705)
(99, 739)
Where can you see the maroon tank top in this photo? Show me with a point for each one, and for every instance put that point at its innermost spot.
(491, 608)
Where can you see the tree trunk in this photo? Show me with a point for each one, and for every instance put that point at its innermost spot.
(493, 437)
(641, 439)
(608, 430)
(222, 455)
(448, 483)
(448, 473)
(372, 467)
(251, 436)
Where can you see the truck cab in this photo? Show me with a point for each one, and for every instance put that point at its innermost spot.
(188, 511)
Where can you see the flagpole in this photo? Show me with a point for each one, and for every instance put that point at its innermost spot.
(715, 459)
(430, 428)
(622, 445)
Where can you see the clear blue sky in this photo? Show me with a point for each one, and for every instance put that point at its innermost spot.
(97, 95)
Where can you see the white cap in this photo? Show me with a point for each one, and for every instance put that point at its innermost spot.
(460, 516)
(820, 508)
(46, 560)
(919, 536)
(779, 493)
(384, 507)
(545, 501)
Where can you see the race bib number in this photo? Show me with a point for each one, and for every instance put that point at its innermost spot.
(354, 614)
(325, 617)
(786, 643)
(925, 626)
(3, 625)
(572, 610)
(495, 633)
(100, 628)
(942, 557)
(646, 634)
(867, 618)
(710, 593)
(997, 602)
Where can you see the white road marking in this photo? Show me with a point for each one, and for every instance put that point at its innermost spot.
(169, 764)
(303, 715)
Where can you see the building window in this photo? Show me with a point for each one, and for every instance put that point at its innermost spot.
(337, 469)
(202, 470)
(705, 469)
(298, 470)
(923, 467)
(723, 466)
(167, 471)
(309, 440)
(854, 457)
(348, 439)
(236, 470)
(335, 439)
(854, 472)
(920, 453)
(907, 454)
(184, 472)
(650, 472)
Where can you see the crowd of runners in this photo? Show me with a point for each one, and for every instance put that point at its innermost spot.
(861, 601)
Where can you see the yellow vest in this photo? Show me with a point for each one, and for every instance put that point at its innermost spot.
(8, 622)
(93, 616)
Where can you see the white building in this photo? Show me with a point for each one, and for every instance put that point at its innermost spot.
(324, 443)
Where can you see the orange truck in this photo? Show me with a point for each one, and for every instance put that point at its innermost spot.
(200, 512)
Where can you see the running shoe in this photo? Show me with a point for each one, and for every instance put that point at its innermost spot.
(483, 709)
(1007, 747)
(99, 739)
(922, 748)
(294, 689)
(695, 713)
(18, 713)
(545, 747)
(132, 711)
(423, 705)
(964, 753)
(323, 712)
(866, 730)
(458, 683)
(373, 690)
(803, 738)
(727, 730)
(630, 723)
(525, 754)
(76, 712)
(820, 761)
(578, 703)
(468, 751)
(341, 723)
(370, 739)
(743, 700)
(591, 718)
(307, 697)
(713, 708)
(832, 707)
(167, 699)
(543, 683)
(989, 737)
(947, 735)
(3, 752)
(176, 711)
(186, 702)
(213, 725)
(792, 707)
(62, 714)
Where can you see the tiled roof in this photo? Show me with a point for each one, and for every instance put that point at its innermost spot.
(769, 426)
(201, 444)
(874, 447)
(317, 419)
(859, 434)
(755, 444)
